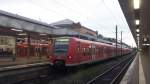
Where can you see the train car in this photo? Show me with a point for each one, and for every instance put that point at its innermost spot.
(37, 49)
(72, 51)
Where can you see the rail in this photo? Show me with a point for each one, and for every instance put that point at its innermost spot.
(113, 74)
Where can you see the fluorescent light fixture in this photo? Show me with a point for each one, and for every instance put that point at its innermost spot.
(145, 39)
(43, 34)
(146, 44)
(17, 30)
(22, 34)
(136, 4)
(137, 22)
(138, 30)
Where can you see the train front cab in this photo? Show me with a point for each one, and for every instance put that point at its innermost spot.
(70, 52)
(60, 49)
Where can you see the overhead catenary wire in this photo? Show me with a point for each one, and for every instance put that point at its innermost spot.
(112, 13)
(114, 18)
(72, 10)
(67, 7)
(60, 14)
(47, 9)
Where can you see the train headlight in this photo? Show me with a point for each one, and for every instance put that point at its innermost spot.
(70, 57)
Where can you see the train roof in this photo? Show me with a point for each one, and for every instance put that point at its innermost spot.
(96, 42)
(88, 41)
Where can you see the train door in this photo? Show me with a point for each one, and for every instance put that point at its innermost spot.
(93, 51)
(104, 52)
(100, 52)
(77, 57)
(80, 53)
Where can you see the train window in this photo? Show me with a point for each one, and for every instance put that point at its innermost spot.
(78, 49)
(84, 50)
(100, 49)
(61, 41)
(61, 46)
(60, 49)
(87, 50)
(97, 50)
(94, 50)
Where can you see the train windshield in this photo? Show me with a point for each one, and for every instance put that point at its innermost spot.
(61, 46)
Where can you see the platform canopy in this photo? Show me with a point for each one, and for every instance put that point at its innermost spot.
(138, 17)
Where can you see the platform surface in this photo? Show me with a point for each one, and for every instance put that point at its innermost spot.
(135, 73)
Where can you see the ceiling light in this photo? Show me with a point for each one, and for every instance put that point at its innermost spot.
(136, 4)
(145, 39)
(138, 35)
(43, 34)
(138, 30)
(146, 44)
(137, 22)
(17, 30)
(22, 34)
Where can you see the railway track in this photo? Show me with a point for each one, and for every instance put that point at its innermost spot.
(84, 74)
(20, 73)
(114, 74)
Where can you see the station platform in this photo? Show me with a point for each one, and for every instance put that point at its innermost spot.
(135, 73)
(22, 72)
(23, 66)
(8, 62)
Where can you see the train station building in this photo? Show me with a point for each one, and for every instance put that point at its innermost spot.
(34, 38)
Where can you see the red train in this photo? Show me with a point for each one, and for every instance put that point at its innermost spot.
(37, 48)
(72, 51)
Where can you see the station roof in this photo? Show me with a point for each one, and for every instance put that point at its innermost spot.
(67, 23)
(63, 22)
(24, 18)
(143, 15)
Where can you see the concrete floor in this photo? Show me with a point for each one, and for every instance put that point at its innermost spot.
(141, 73)
(145, 60)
